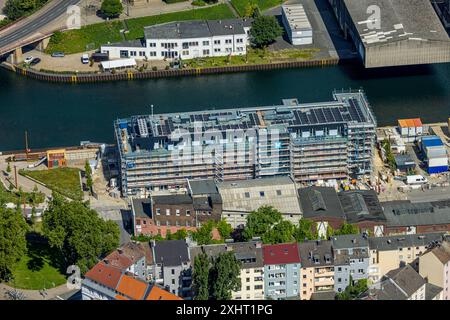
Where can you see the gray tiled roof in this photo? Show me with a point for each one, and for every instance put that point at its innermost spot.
(248, 253)
(171, 252)
(407, 279)
(127, 43)
(361, 205)
(195, 29)
(172, 199)
(142, 208)
(350, 241)
(402, 241)
(320, 202)
(322, 250)
(431, 291)
(405, 213)
(200, 187)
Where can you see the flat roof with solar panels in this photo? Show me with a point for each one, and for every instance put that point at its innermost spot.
(139, 133)
(297, 24)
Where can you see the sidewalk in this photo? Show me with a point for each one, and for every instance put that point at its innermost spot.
(35, 294)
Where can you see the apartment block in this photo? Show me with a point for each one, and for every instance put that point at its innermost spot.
(389, 253)
(434, 266)
(281, 271)
(351, 259)
(310, 142)
(317, 268)
(250, 255)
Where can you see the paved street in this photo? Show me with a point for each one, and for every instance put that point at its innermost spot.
(51, 294)
(32, 25)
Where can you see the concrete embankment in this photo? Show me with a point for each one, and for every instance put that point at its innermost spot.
(147, 74)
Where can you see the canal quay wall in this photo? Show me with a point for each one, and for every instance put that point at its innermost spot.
(150, 74)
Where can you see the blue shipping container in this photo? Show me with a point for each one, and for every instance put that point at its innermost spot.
(441, 169)
(123, 125)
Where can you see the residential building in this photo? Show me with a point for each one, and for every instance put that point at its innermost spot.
(434, 266)
(393, 33)
(317, 268)
(172, 266)
(351, 259)
(132, 260)
(164, 212)
(403, 283)
(281, 271)
(250, 255)
(106, 283)
(310, 142)
(406, 217)
(296, 24)
(389, 253)
(322, 205)
(241, 197)
(186, 40)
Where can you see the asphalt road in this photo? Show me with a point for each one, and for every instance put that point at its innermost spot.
(35, 23)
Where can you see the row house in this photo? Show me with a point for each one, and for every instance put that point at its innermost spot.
(389, 253)
(250, 256)
(434, 265)
(281, 271)
(317, 268)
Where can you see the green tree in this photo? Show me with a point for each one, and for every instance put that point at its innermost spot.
(224, 276)
(264, 31)
(33, 216)
(304, 230)
(259, 222)
(111, 8)
(252, 10)
(88, 172)
(203, 235)
(78, 232)
(347, 228)
(281, 232)
(13, 245)
(180, 234)
(200, 277)
(353, 290)
(224, 229)
(8, 167)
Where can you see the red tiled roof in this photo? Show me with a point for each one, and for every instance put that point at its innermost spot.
(133, 288)
(104, 274)
(281, 253)
(119, 297)
(159, 294)
(409, 123)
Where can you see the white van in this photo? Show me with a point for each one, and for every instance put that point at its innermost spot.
(416, 179)
(85, 58)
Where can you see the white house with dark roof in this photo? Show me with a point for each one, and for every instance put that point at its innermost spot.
(186, 40)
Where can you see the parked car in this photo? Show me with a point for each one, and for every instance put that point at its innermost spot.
(58, 54)
(85, 58)
(35, 61)
(28, 59)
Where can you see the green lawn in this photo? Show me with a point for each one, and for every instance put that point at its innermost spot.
(136, 26)
(254, 56)
(74, 41)
(39, 268)
(63, 180)
(87, 38)
(241, 5)
(14, 196)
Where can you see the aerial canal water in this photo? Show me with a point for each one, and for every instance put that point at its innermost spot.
(61, 115)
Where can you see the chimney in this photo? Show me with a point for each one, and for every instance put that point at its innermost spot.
(120, 251)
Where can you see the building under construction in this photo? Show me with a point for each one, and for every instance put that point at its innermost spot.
(393, 33)
(309, 142)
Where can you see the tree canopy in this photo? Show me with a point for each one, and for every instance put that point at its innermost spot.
(15, 9)
(216, 278)
(304, 230)
(353, 290)
(259, 222)
(13, 243)
(346, 228)
(264, 31)
(111, 8)
(79, 232)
